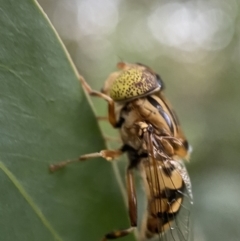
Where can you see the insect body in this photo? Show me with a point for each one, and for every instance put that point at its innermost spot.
(155, 145)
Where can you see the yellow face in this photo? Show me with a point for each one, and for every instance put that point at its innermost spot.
(132, 82)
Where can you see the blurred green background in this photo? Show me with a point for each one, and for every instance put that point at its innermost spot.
(195, 47)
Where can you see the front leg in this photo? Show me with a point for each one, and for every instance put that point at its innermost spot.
(111, 106)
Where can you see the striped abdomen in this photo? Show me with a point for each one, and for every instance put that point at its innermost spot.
(165, 188)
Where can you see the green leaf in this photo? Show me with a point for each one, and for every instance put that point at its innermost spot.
(45, 118)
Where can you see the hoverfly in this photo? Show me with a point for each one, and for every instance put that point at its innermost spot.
(155, 145)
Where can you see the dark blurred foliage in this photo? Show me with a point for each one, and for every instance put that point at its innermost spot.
(195, 47)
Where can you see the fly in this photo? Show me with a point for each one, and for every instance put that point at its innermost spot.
(155, 145)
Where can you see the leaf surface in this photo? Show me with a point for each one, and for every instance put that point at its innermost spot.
(45, 117)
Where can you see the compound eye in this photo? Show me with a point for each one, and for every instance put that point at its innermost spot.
(160, 81)
(134, 83)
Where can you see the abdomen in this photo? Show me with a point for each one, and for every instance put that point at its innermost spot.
(165, 190)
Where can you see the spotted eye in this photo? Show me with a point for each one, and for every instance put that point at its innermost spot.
(134, 83)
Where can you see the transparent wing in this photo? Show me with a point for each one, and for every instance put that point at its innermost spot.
(169, 196)
(180, 228)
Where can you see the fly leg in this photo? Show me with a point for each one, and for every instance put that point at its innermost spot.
(111, 107)
(132, 205)
(109, 155)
